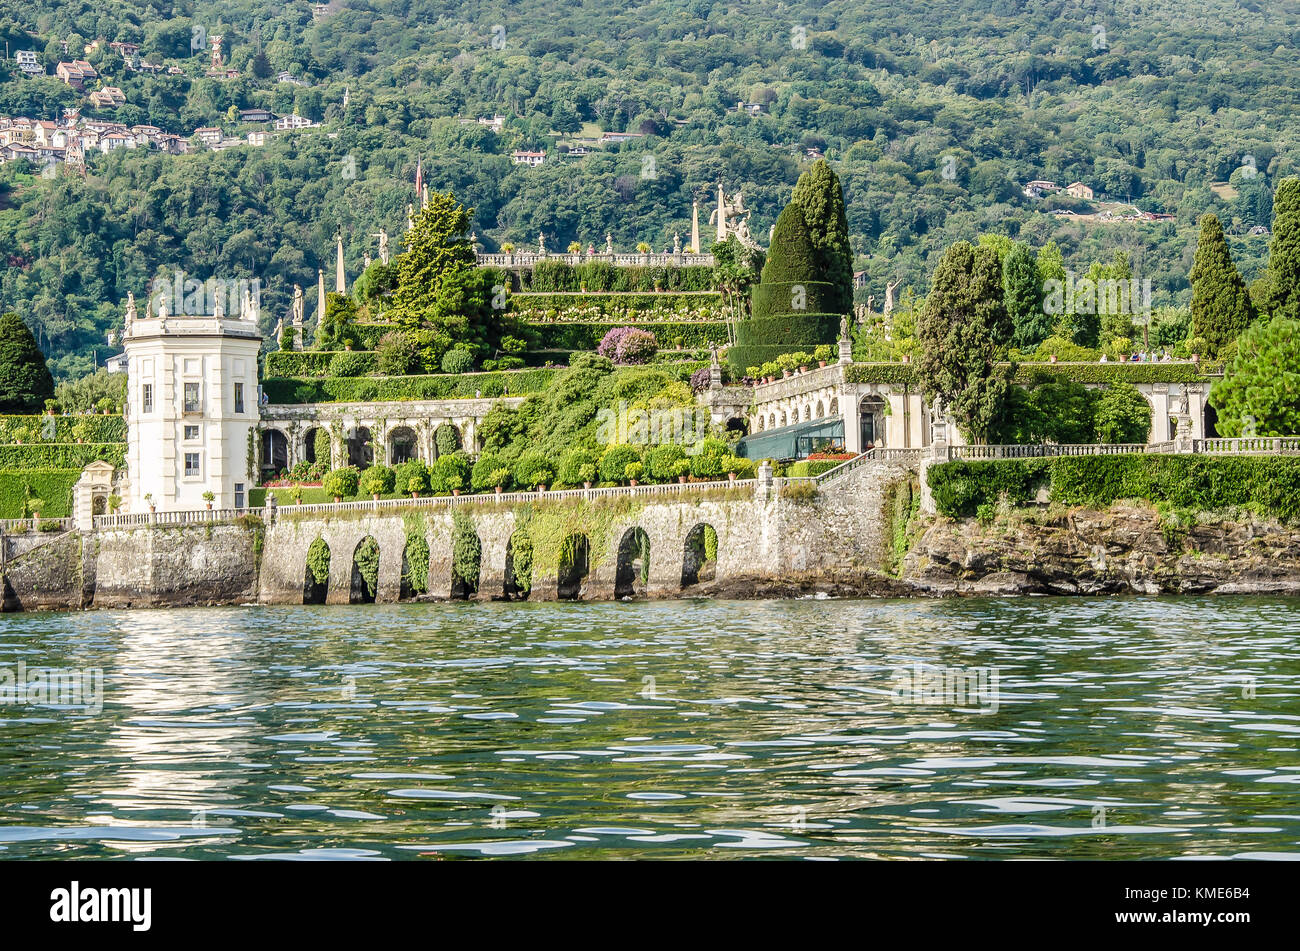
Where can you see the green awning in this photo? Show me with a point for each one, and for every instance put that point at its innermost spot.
(793, 442)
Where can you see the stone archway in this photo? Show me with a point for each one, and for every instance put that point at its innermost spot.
(316, 577)
(365, 572)
(700, 555)
(403, 445)
(275, 453)
(519, 567)
(872, 410)
(632, 572)
(575, 564)
(361, 450)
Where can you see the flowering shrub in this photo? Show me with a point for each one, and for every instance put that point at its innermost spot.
(628, 345)
(700, 380)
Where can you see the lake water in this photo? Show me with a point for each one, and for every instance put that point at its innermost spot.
(1106, 728)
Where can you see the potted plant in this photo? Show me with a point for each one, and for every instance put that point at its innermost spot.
(148, 500)
(297, 495)
(633, 472)
(413, 486)
(454, 483)
(209, 498)
(587, 473)
(682, 470)
(34, 506)
(498, 478)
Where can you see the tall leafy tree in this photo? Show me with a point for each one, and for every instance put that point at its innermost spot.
(25, 380)
(1022, 289)
(1221, 308)
(793, 256)
(1283, 292)
(437, 247)
(963, 329)
(819, 195)
(1260, 390)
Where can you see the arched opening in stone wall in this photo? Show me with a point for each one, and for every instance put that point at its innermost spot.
(835, 406)
(275, 453)
(309, 447)
(466, 558)
(365, 572)
(821, 409)
(99, 504)
(446, 439)
(632, 573)
(738, 424)
(361, 452)
(771, 420)
(1211, 422)
(401, 445)
(519, 567)
(575, 563)
(316, 578)
(872, 410)
(415, 566)
(700, 557)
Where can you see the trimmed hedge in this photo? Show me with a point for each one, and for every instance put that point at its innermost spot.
(442, 386)
(587, 336)
(778, 300)
(98, 429)
(60, 455)
(560, 276)
(52, 486)
(1028, 373)
(623, 307)
(1269, 487)
(759, 340)
(812, 467)
(897, 373)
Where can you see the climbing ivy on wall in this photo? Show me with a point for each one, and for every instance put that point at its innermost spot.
(466, 551)
(321, 444)
(521, 556)
(417, 556)
(367, 561)
(318, 561)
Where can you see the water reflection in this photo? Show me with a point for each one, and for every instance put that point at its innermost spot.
(1122, 728)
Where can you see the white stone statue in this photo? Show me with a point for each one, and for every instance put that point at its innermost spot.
(130, 307)
(219, 309)
(890, 288)
(677, 243)
(296, 313)
(609, 244)
(382, 235)
(541, 243)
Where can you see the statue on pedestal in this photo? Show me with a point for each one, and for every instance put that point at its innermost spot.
(130, 308)
(609, 244)
(677, 243)
(541, 243)
(296, 312)
(889, 295)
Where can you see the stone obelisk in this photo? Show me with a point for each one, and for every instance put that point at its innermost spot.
(340, 284)
(695, 227)
(320, 297)
(722, 214)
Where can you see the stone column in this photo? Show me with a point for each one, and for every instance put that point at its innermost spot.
(1160, 413)
(763, 488)
(1196, 408)
(851, 409)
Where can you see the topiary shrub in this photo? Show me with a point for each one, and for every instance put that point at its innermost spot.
(415, 577)
(533, 469)
(708, 459)
(318, 561)
(446, 438)
(483, 476)
(569, 473)
(377, 480)
(615, 460)
(663, 463)
(1123, 415)
(451, 471)
(341, 483)
(323, 446)
(457, 360)
(413, 472)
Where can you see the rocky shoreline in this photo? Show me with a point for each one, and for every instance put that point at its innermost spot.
(1122, 550)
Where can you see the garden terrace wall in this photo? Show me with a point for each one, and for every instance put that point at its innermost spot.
(598, 276)
(52, 455)
(388, 388)
(52, 486)
(586, 335)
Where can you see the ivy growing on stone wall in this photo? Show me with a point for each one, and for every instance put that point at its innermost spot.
(416, 576)
(367, 561)
(521, 558)
(466, 552)
(318, 561)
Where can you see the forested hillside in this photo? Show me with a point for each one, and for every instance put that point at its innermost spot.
(933, 112)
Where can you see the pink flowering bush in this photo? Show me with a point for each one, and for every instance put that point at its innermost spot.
(628, 345)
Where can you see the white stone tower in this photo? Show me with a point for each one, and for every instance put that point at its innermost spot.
(192, 403)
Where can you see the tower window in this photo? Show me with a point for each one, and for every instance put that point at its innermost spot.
(239, 397)
(191, 432)
(192, 398)
(146, 398)
(192, 464)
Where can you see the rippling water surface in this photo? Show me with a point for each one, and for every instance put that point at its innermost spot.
(1119, 728)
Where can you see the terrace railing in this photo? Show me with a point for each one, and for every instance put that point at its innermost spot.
(530, 258)
(1249, 445)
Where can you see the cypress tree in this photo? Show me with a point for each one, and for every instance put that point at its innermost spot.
(819, 195)
(962, 329)
(1221, 308)
(438, 246)
(791, 259)
(25, 381)
(1023, 292)
(1283, 298)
